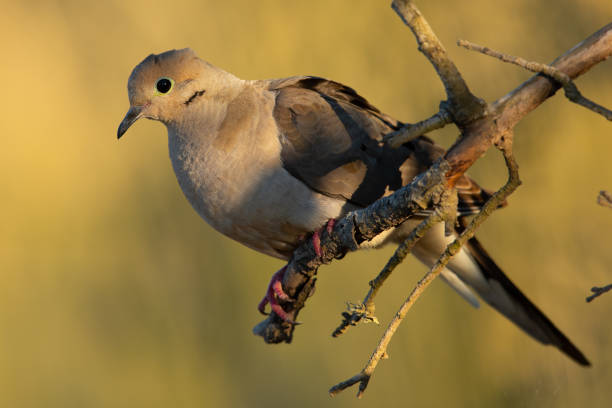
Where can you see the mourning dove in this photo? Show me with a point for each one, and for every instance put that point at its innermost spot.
(266, 162)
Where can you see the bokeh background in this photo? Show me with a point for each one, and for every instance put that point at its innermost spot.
(113, 293)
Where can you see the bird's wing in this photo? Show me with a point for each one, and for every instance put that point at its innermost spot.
(332, 141)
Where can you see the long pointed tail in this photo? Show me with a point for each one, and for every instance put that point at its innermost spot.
(504, 296)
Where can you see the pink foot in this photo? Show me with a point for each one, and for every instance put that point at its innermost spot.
(273, 293)
(316, 236)
(316, 242)
(330, 225)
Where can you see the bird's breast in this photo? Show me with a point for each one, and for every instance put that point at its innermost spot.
(234, 178)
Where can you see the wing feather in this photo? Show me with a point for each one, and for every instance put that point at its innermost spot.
(332, 141)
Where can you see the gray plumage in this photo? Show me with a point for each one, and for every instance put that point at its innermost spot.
(267, 162)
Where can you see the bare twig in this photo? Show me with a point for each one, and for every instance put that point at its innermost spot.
(571, 91)
(365, 311)
(491, 205)
(597, 291)
(463, 105)
(507, 111)
(348, 233)
(410, 132)
(476, 139)
(604, 199)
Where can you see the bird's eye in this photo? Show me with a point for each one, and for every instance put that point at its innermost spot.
(164, 85)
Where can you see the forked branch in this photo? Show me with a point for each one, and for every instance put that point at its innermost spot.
(482, 128)
(491, 205)
(364, 312)
(604, 198)
(463, 105)
(571, 90)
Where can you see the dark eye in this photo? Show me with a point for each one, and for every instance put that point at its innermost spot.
(163, 85)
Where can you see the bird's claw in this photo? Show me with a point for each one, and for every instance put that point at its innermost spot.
(274, 293)
(316, 236)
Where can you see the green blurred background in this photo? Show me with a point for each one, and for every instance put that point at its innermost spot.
(114, 293)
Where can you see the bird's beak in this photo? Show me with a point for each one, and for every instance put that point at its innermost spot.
(133, 114)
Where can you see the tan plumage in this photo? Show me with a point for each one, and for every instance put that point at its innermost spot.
(265, 162)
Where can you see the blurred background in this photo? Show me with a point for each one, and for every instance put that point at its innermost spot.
(114, 293)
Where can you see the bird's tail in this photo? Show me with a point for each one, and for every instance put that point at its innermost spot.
(472, 269)
(505, 297)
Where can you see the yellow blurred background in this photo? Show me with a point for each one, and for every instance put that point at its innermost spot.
(113, 292)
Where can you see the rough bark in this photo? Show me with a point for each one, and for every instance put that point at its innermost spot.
(481, 125)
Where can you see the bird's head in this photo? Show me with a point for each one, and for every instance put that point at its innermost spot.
(163, 85)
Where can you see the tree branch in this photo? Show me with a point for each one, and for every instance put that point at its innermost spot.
(365, 311)
(604, 199)
(507, 111)
(348, 233)
(571, 90)
(597, 291)
(410, 132)
(491, 205)
(478, 135)
(464, 106)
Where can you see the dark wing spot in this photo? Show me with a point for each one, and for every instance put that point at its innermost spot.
(195, 95)
(336, 90)
(310, 82)
(294, 116)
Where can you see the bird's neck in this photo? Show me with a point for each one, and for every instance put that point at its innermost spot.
(224, 128)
